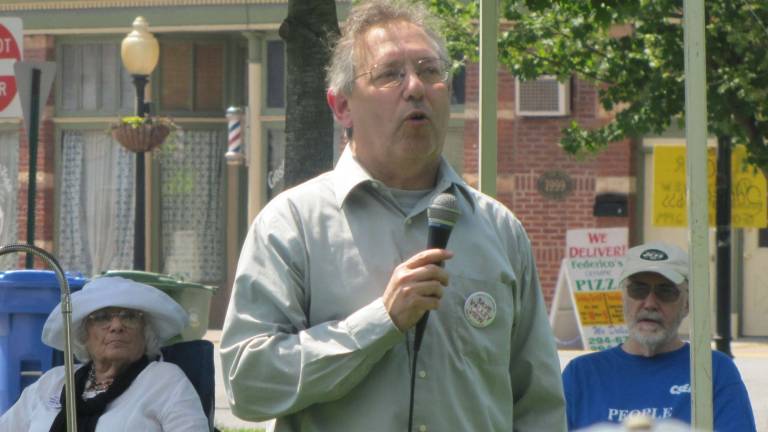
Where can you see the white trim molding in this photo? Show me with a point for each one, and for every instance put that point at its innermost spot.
(106, 4)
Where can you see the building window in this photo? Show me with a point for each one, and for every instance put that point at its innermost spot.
(762, 237)
(96, 217)
(96, 214)
(275, 162)
(93, 80)
(457, 86)
(192, 76)
(9, 174)
(209, 76)
(176, 76)
(192, 202)
(275, 74)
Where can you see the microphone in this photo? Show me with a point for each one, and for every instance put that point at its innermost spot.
(442, 215)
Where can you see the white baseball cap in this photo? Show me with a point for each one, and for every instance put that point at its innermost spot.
(166, 317)
(665, 259)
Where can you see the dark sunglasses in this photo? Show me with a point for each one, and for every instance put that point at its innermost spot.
(129, 318)
(666, 292)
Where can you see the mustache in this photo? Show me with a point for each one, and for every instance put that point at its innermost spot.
(648, 315)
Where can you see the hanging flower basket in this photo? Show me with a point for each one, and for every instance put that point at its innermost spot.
(141, 134)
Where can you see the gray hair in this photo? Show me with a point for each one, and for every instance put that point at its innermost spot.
(341, 70)
(151, 342)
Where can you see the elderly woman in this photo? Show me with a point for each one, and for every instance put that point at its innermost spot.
(121, 386)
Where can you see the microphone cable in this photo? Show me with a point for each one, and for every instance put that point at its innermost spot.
(416, 348)
(442, 215)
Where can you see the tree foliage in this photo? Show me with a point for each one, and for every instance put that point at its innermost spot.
(633, 51)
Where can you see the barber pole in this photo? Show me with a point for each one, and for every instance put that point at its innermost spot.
(234, 155)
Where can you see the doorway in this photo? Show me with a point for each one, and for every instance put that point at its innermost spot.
(755, 295)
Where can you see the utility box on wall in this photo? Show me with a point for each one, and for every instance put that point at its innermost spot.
(611, 205)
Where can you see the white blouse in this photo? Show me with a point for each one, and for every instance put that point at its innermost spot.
(161, 398)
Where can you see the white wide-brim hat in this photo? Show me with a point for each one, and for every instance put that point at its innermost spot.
(166, 317)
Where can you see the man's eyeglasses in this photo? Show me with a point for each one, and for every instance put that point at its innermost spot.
(389, 75)
(129, 318)
(666, 292)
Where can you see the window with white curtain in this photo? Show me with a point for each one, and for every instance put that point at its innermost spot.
(9, 174)
(96, 196)
(192, 202)
(92, 79)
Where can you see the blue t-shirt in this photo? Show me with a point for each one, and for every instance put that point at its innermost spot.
(609, 385)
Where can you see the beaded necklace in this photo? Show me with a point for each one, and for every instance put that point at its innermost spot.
(93, 387)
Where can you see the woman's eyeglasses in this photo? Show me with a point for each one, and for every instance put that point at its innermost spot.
(389, 75)
(666, 292)
(128, 318)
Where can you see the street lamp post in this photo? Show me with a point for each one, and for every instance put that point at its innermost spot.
(140, 52)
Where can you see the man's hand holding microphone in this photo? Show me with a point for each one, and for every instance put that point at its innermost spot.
(416, 286)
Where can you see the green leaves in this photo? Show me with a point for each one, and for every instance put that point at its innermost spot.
(632, 50)
(459, 26)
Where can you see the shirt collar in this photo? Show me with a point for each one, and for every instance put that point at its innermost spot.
(349, 174)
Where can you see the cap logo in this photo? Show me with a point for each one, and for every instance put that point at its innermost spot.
(654, 255)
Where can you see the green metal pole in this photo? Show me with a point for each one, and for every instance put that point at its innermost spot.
(489, 24)
(139, 230)
(698, 241)
(32, 142)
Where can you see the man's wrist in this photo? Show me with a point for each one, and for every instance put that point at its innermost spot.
(372, 323)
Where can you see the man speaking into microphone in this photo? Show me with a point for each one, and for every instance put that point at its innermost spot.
(334, 274)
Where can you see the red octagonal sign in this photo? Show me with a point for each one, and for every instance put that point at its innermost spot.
(7, 91)
(11, 52)
(9, 49)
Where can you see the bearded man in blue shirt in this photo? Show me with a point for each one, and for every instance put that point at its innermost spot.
(650, 373)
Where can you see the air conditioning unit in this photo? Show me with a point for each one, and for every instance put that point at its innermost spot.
(543, 97)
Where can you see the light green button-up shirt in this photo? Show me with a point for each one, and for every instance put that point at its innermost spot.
(307, 339)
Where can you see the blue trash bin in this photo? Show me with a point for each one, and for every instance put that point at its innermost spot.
(27, 297)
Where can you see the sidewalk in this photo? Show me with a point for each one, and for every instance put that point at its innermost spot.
(751, 357)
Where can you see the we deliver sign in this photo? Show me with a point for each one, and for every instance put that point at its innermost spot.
(587, 308)
(11, 49)
(596, 243)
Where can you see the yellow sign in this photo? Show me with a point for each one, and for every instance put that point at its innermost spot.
(748, 193)
(600, 308)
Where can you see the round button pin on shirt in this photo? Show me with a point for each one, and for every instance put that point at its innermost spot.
(480, 309)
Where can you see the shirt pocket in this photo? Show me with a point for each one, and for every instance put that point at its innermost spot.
(487, 344)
